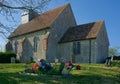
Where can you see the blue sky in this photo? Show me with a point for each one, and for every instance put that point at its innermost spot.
(86, 11)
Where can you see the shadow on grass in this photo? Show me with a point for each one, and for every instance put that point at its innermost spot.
(95, 79)
(15, 78)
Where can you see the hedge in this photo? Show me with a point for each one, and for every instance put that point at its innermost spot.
(5, 57)
(116, 63)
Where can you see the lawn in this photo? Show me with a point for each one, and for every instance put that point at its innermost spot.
(89, 74)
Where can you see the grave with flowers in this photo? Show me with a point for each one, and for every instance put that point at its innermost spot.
(57, 68)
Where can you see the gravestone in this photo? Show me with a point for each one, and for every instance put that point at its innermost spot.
(12, 59)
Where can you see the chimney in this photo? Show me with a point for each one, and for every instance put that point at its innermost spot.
(28, 16)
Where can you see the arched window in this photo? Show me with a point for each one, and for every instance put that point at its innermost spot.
(35, 40)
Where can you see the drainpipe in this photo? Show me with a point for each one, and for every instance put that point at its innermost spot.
(89, 51)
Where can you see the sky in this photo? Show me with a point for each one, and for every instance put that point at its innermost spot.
(86, 11)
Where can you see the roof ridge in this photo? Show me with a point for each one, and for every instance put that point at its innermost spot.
(64, 6)
(93, 22)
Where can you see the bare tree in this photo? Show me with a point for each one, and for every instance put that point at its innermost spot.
(10, 8)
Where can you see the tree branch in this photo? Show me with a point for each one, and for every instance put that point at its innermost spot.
(11, 7)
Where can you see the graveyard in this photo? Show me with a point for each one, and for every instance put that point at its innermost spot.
(88, 74)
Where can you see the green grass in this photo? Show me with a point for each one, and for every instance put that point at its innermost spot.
(116, 63)
(89, 74)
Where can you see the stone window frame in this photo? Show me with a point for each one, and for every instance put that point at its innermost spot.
(35, 44)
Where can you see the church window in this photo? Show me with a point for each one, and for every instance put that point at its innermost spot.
(76, 48)
(35, 44)
(16, 46)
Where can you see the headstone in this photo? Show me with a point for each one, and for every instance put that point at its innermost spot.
(56, 60)
(108, 61)
(12, 59)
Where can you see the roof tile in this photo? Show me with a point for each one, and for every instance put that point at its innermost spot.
(82, 32)
(42, 21)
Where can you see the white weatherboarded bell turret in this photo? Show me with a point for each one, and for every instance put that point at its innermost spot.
(28, 16)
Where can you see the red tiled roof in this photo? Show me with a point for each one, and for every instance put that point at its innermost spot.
(82, 32)
(42, 21)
